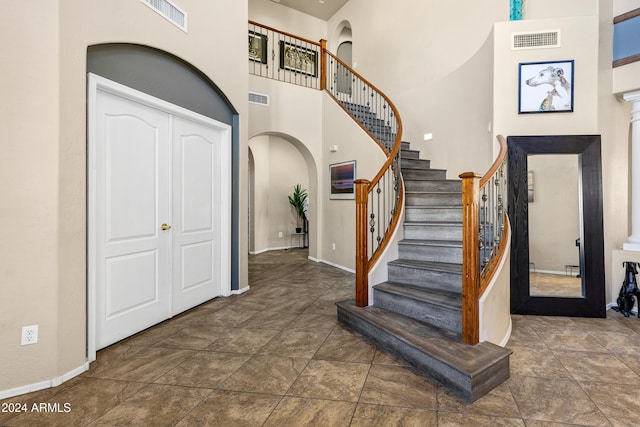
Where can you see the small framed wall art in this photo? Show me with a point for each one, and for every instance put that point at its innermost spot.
(258, 47)
(298, 59)
(342, 176)
(545, 87)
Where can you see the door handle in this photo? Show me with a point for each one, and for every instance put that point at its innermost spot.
(165, 227)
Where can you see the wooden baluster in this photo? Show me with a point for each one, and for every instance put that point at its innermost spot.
(470, 262)
(362, 256)
(323, 64)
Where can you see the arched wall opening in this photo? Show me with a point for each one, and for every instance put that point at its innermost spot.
(168, 77)
(277, 162)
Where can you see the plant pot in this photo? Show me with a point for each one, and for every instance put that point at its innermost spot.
(298, 229)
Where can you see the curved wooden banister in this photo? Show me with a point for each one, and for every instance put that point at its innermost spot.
(502, 155)
(397, 144)
(368, 218)
(483, 237)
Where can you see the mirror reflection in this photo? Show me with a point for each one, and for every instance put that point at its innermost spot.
(555, 224)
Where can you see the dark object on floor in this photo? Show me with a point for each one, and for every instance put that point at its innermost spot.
(629, 288)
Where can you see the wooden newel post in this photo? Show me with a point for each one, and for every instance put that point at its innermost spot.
(470, 258)
(362, 257)
(323, 64)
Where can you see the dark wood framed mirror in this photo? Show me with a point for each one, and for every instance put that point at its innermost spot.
(589, 301)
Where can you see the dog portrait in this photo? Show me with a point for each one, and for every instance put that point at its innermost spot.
(546, 87)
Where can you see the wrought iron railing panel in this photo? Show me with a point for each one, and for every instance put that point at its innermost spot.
(492, 209)
(284, 57)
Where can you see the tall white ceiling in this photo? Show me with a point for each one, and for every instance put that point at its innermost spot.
(321, 9)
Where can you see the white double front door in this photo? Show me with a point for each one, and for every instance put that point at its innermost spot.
(159, 211)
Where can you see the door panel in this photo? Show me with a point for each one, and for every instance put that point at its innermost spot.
(132, 268)
(196, 244)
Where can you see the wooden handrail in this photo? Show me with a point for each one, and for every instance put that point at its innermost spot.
(473, 283)
(284, 33)
(364, 264)
(502, 154)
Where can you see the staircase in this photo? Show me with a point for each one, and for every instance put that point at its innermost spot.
(417, 313)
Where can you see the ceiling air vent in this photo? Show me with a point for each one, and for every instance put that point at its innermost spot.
(535, 40)
(258, 98)
(169, 11)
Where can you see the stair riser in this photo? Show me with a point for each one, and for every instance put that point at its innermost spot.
(432, 232)
(433, 185)
(441, 316)
(431, 253)
(410, 154)
(433, 199)
(424, 174)
(467, 387)
(433, 214)
(416, 163)
(427, 279)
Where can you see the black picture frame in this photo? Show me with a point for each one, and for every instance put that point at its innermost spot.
(545, 87)
(298, 59)
(257, 47)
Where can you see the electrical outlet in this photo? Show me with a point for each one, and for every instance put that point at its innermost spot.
(280, 234)
(29, 335)
(333, 246)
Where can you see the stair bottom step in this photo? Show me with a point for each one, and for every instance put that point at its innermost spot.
(468, 371)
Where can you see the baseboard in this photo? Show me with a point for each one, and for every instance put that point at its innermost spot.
(341, 267)
(5, 394)
(240, 291)
(261, 251)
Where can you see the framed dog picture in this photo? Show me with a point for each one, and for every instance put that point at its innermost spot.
(545, 87)
(342, 176)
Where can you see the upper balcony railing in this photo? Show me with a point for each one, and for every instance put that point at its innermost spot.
(281, 56)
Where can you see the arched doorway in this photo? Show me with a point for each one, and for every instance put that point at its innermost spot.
(277, 162)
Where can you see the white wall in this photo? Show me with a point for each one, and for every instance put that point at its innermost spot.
(43, 186)
(435, 65)
(278, 167)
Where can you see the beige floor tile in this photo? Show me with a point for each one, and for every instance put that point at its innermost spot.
(204, 369)
(557, 400)
(384, 416)
(154, 405)
(266, 374)
(598, 367)
(346, 348)
(243, 340)
(536, 362)
(194, 337)
(525, 336)
(233, 409)
(498, 403)
(453, 419)
(328, 379)
(270, 320)
(295, 344)
(294, 411)
(142, 364)
(399, 386)
(570, 340)
(87, 400)
(314, 322)
(621, 405)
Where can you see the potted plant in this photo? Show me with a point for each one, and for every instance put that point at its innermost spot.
(298, 200)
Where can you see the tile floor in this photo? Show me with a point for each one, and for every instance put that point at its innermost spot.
(275, 356)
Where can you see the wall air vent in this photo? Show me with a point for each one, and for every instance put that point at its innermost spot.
(258, 98)
(169, 11)
(535, 40)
